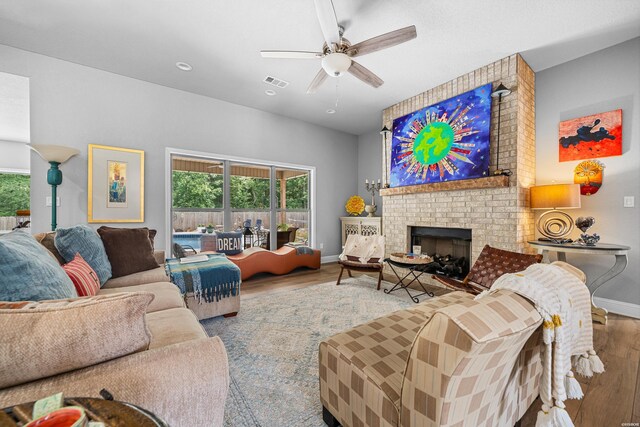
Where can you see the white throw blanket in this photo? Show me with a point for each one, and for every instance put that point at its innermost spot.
(564, 303)
(363, 247)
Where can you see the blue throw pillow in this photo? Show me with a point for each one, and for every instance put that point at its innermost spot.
(230, 243)
(28, 272)
(84, 240)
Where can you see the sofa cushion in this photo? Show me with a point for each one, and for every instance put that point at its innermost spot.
(85, 241)
(29, 272)
(229, 243)
(158, 274)
(46, 338)
(173, 326)
(129, 250)
(83, 277)
(47, 240)
(166, 295)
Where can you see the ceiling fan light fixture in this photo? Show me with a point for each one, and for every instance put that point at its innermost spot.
(336, 64)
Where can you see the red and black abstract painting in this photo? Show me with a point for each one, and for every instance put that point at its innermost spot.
(598, 135)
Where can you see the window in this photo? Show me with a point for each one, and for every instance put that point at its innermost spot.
(222, 195)
(292, 195)
(197, 195)
(14, 194)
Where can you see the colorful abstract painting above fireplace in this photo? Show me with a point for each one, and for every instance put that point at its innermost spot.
(446, 141)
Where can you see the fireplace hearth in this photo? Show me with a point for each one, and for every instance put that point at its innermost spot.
(450, 249)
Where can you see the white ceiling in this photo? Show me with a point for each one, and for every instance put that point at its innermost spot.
(221, 39)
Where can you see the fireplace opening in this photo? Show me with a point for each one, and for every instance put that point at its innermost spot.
(450, 249)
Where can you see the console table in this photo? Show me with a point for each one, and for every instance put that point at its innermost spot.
(360, 225)
(618, 251)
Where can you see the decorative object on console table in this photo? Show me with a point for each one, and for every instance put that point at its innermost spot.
(385, 132)
(446, 141)
(355, 205)
(500, 91)
(372, 188)
(55, 155)
(589, 175)
(363, 226)
(116, 184)
(598, 135)
(584, 224)
(555, 225)
(619, 251)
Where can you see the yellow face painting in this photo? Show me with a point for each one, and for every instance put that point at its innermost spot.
(589, 175)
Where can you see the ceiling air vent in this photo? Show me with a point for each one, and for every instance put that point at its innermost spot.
(275, 82)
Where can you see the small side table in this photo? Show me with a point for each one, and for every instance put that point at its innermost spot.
(110, 412)
(415, 270)
(618, 251)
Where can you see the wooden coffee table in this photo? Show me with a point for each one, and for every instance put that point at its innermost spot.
(110, 412)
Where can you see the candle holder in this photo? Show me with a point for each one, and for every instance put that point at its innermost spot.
(372, 188)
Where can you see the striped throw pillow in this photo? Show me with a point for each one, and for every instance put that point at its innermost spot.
(84, 278)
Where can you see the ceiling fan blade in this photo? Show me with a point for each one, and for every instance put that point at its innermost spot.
(290, 54)
(317, 81)
(328, 22)
(383, 41)
(365, 75)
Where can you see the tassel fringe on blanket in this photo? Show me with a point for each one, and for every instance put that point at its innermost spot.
(564, 304)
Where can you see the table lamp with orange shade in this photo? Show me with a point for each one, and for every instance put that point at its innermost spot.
(554, 224)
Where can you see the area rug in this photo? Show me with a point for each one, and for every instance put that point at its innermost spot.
(273, 348)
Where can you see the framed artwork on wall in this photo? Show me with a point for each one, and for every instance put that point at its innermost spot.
(115, 184)
(597, 135)
(446, 141)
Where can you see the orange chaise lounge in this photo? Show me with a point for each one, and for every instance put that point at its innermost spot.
(281, 261)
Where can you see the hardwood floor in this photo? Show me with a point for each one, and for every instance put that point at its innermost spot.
(610, 399)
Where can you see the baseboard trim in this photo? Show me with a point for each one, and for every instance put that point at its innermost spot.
(329, 258)
(618, 307)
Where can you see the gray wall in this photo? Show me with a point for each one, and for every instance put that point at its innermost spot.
(605, 80)
(370, 165)
(74, 105)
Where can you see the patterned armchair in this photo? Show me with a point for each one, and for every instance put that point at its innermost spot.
(491, 264)
(449, 361)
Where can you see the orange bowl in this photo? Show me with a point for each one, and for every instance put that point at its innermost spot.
(71, 416)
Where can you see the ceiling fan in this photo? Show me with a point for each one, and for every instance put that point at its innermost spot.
(337, 52)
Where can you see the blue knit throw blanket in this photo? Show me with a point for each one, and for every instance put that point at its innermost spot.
(209, 280)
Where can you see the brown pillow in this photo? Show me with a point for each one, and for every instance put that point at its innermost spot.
(45, 338)
(129, 250)
(152, 232)
(46, 240)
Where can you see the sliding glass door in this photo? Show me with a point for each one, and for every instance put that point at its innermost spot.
(217, 194)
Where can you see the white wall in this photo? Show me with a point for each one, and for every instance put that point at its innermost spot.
(15, 157)
(75, 105)
(602, 81)
(370, 165)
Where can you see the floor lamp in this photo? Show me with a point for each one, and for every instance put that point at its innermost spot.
(55, 155)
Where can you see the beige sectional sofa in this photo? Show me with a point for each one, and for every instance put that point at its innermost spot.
(183, 376)
(449, 361)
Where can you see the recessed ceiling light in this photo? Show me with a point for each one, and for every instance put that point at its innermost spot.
(270, 92)
(331, 111)
(184, 66)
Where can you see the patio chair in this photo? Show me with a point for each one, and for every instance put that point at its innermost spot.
(491, 264)
(181, 251)
(362, 253)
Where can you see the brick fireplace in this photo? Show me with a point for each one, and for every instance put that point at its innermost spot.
(494, 209)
